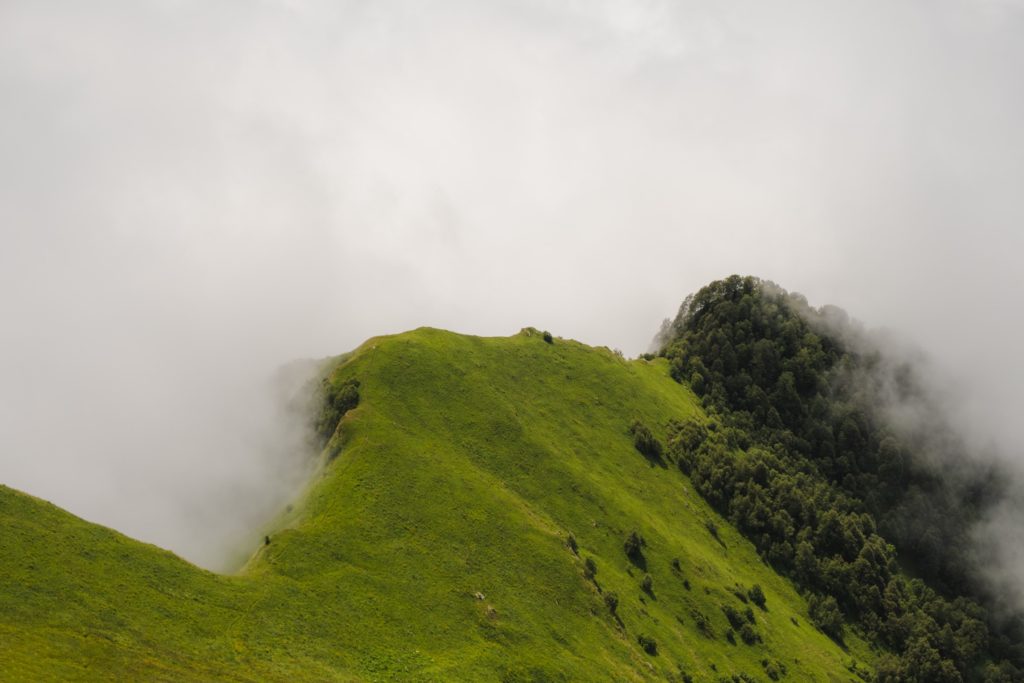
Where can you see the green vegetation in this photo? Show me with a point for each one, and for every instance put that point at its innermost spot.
(572, 544)
(649, 645)
(801, 458)
(337, 399)
(611, 599)
(756, 596)
(435, 545)
(634, 547)
(645, 441)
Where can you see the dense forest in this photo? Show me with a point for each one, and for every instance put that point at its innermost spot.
(869, 514)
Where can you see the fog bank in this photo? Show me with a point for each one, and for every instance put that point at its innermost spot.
(193, 194)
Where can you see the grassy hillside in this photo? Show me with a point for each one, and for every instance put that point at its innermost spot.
(432, 546)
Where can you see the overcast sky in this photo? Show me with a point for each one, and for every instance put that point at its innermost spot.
(194, 193)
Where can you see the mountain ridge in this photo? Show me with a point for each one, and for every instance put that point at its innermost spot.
(434, 542)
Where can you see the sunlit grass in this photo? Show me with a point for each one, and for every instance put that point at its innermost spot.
(432, 547)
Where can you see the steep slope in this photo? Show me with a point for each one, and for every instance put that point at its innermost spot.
(852, 480)
(80, 601)
(433, 545)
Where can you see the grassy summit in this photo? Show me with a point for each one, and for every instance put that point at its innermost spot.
(432, 545)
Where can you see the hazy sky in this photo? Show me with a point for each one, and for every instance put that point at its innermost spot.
(193, 193)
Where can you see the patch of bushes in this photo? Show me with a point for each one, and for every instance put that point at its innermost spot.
(825, 614)
(336, 400)
(703, 624)
(611, 600)
(756, 596)
(684, 440)
(573, 546)
(644, 440)
(774, 669)
(734, 618)
(634, 547)
(649, 645)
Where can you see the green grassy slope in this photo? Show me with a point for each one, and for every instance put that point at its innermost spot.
(461, 473)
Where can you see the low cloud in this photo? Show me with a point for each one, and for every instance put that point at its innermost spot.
(193, 194)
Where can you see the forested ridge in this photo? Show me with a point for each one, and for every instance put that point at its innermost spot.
(530, 508)
(869, 516)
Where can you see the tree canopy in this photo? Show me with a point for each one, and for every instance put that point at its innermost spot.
(804, 458)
